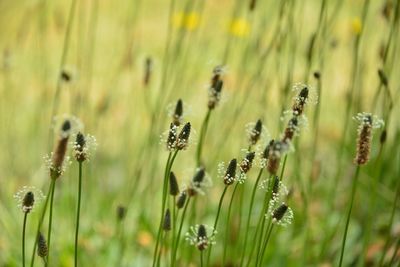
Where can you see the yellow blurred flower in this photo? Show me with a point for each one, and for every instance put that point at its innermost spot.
(356, 26)
(189, 21)
(240, 27)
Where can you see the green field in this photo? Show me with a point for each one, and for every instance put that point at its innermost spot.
(88, 92)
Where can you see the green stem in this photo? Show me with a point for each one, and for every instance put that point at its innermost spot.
(227, 224)
(246, 232)
(394, 256)
(353, 193)
(203, 132)
(173, 229)
(264, 247)
(56, 99)
(41, 221)
(179, 231)
(201, 258)
(50, 223)
(165, 187)
(261, 220)
(23, 238)
(387, 242)
(216, 221)
(78, 213)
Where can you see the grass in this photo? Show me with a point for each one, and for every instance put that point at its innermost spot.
(347, 51)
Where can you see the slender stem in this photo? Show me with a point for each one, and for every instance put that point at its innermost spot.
(201, 258)
(165, 187)
(41, 221)
(179, 231)
(56, 99)
(173, 229)
(264, 247)
(388, 233)
(163, 236)
(395, 253)
(228, 217)
(216, 220)
(50, 222)
(353, 193)
(203, 132)
(261, 220)
(23, 238)
(246, 232)
(78, 213)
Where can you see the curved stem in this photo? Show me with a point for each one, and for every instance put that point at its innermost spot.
(41, 221)
(179, 232)
(353, 193)
(216, 221)
(78, 213)
(228, 217)
(23, 238)
(388, 233)
(165, 187)
(268, 233)
(246, 232)
(203, 132)
(50, 222)
(173, 229)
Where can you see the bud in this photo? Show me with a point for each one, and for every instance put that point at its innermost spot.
(173, 185)
(177, 116)
(42, 250)
(181, 200)
(167, 221)
(121, 212)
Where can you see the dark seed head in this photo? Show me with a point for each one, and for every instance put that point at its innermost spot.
(230, 173)
(279, 212)
(121, 212)
(28, 201)
(171, 140)
(247, 162)
(275, 185)
(167, 221)
(202, 240)
(65, 76)
(383, 137)
(42, 250)
(173, 185)
(181, 200)
(256, 132)
(177, 117)
(199, 176)
(80, 143)
(183, 137)
(66, 126)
